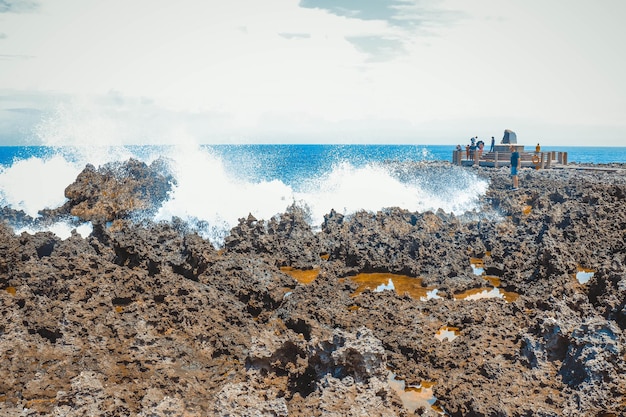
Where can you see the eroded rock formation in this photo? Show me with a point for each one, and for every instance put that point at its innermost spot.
(149, 319)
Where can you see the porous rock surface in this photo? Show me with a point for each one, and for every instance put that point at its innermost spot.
(145, 319)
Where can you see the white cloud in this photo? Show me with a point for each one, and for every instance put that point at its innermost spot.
(274, 65)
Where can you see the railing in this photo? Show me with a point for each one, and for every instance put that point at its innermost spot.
(498, 159)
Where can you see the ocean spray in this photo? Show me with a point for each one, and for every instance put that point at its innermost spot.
(212, 190)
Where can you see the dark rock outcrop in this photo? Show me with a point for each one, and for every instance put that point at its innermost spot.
(145, 318)
(116, 190)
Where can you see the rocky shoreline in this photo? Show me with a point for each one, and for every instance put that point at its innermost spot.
(145, 319)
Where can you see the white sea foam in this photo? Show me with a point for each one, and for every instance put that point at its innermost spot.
(347, 189)
(373, 187)
(211, 192)
(62, 229)
(206, 192)
(212, 198)
(34, 184)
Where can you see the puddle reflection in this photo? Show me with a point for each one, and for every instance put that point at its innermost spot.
(303, 276)
(414, 397)
(480, 293)
(493, 280)
(401, 284)
(446, 332)
(583, 275)
(478, 266)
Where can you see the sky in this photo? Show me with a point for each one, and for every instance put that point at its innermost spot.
(312, 71)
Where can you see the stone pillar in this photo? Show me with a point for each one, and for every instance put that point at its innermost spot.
(495, 159)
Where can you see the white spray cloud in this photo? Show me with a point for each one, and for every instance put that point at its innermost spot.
(34, 184)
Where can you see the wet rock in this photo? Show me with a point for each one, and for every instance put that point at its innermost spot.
(116, 190)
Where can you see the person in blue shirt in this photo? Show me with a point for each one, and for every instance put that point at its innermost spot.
(516, 164)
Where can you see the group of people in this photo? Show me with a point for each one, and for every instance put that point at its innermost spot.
(475, 148)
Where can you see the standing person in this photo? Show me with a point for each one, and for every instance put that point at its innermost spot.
(493, 144)
(538, 148)
(516, 164)
(467, 151)
(480, 145)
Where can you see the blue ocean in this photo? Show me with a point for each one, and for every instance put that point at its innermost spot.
(218, 184)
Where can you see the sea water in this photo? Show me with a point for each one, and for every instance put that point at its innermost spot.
(215, 185)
